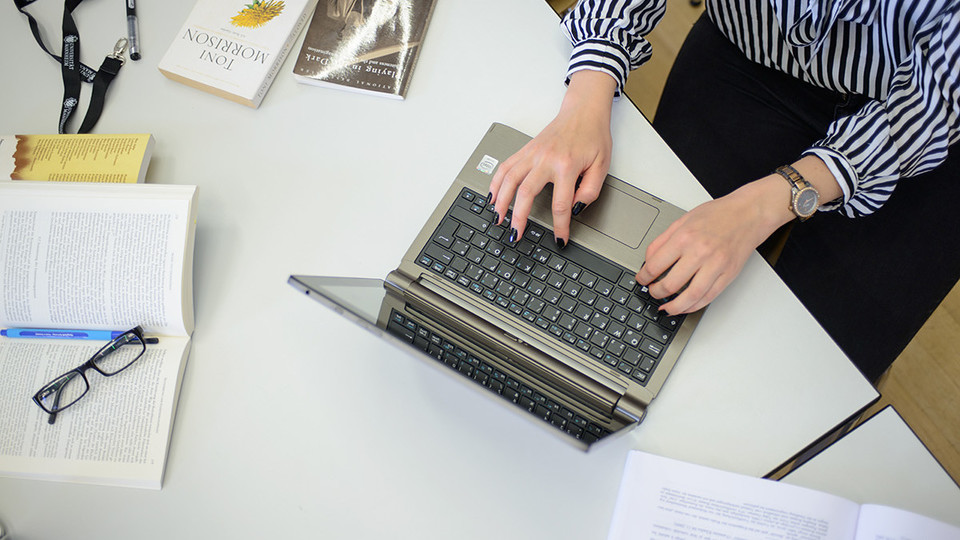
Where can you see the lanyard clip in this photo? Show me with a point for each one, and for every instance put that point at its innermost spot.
(119, 49)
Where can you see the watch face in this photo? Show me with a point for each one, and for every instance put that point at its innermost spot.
(806, 203)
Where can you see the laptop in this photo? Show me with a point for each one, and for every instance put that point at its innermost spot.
(564, 336)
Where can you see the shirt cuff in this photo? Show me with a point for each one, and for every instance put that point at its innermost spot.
(842, 172)
(600, 56)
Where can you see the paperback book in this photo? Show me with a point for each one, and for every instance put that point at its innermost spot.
(76, 157)
(368, 46)
(665, 498)
(94, 257)
(234, 49)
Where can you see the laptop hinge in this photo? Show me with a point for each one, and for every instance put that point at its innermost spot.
(461, 321)
(635, 410)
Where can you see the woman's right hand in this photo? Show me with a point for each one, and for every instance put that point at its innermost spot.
(572, 153)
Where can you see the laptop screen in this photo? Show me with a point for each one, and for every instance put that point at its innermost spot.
(362, 297)
(367, 302)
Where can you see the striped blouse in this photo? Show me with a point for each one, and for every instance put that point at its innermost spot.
(903, 54)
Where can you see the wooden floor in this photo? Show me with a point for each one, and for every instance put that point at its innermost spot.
(924, 383)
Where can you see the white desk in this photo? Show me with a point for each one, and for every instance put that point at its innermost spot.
(291, 420)
(883, 462)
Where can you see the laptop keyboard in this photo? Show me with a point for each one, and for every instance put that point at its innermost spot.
(571, 295)
(494, 379)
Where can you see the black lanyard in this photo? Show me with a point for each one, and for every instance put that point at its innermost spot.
(75, 72)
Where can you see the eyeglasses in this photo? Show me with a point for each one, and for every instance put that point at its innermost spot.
(114, 357)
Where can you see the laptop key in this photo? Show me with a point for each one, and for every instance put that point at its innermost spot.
(445, 233)
(490, 263)
(458, 264)
(494, 248)
(584, 331)
(616, 348)
(552, 295)
(438, 254)
(620, 296)
(647, 364)
(534, 232)
(656, 333)
(582, 312)
(480, 241)
(651, 347)
(526, 247)
(599, 321)
(526, 403)
(505, 288)
(472, 220)
(671, 323)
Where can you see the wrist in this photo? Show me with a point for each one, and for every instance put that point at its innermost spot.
(589, 89)
(771, 196)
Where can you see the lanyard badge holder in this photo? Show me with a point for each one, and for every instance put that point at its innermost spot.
(75, 72)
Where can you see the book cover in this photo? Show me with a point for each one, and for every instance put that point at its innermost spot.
(76, 157)
(232, 48)
(369, 46)
(94, 257)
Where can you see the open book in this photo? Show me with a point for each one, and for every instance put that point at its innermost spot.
(94, 257)
(665, 498)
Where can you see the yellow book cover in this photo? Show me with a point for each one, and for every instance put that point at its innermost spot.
(76, 157)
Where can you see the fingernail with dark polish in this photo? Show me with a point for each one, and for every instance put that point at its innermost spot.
(577, 208)
(560, 243)
(513, 235)
(496, 218)
(489, 197)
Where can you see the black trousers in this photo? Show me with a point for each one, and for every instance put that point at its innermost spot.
(871, 282)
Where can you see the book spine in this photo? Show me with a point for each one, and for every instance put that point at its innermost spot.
(278, 61)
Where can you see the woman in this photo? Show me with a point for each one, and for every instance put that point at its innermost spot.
(857, 99)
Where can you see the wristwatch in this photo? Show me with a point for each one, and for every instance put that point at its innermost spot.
(804, 198)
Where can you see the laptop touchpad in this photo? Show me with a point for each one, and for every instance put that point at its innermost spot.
(619, 216)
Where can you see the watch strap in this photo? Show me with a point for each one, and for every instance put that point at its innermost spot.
(796, 180)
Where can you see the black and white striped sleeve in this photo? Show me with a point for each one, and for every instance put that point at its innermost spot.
(608, 35)
(906, 133)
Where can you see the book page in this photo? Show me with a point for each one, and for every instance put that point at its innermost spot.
(661, 498)
(886, 523)
(72, 259)
(117, 434)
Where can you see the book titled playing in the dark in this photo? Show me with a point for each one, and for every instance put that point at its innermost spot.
(368, 46)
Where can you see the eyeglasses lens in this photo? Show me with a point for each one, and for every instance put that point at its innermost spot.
(124, 351)
(63, 391)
